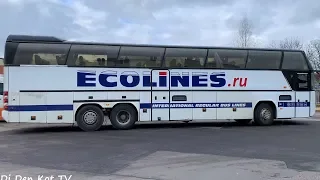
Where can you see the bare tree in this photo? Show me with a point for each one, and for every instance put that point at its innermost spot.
(311, 56)
(316, 46)
(287, 43)
(313, 53)
(291, 43)
(274, 45)
(245, 38)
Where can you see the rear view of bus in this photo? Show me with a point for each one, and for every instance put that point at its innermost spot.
(48, 80)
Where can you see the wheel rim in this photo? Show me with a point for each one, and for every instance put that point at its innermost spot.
(123, 117)
(90, 117)
(265, 114)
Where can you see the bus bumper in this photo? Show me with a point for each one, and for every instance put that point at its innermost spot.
(5, 115)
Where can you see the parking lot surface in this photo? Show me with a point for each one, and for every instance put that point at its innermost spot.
(286, 150)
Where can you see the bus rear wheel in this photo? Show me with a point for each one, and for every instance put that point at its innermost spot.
(123, 116)
(90, 118)
(264, 114)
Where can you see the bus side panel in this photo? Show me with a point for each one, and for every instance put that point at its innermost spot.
(85, 96)
(109, 99)
(312, 103)
(59, 107)
(245, 102)
(285, 108)
(242, 101)
(181, 105)
(1, 93)
(13, 94)
(124, 96)
(32, 107)
(5, 113)
(205, 99)
(145, 106)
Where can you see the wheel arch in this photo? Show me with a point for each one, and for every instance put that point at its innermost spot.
(129, 104)
(269, 102)
(87, 104)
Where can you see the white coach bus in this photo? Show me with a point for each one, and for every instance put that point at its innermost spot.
(49, 80)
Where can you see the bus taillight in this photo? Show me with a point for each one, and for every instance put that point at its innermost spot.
(5, 100)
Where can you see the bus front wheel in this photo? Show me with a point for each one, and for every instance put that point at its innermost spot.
(264, 115)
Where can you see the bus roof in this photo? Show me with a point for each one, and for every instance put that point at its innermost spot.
(52, 39)
(28, 38)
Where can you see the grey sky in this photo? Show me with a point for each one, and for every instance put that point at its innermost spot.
(192, 22)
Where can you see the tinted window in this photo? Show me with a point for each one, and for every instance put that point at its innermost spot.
(1, 88)
(264, 60)
(294, 61)
(41, 54)
(214, 60)
(183, 57)
(140, 57)
(211, 63)
(9, 52)
(93, 55)
(302, 82)
(230, 59)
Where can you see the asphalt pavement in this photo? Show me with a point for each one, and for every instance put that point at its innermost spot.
(165, 151)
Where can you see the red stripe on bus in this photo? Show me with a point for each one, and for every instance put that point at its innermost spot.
(162, 73)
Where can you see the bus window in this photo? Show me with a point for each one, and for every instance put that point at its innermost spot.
(185, 57)
(1, 84)
(140, 57)
(41, 54)
(93, 55)
(211, 63)
(1, 88)
(264, 60)
(229, 59)
(294, 61)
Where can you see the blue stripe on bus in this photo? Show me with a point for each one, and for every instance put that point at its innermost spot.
(58, 107)
(294, 104)
(195, 105)
(69, 107)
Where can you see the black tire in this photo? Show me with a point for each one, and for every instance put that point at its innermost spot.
(264, 115)
(243, 121)
(83, 115)
(123, 116)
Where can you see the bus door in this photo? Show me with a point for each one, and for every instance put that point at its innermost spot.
(160, 95)
(181, 98)
(302, 87)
